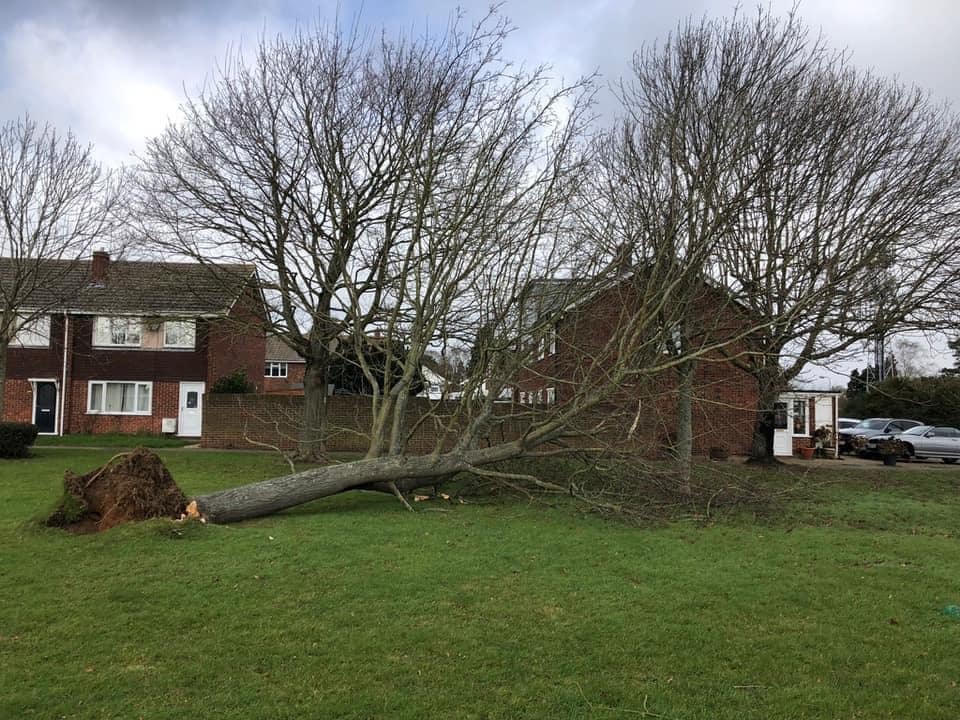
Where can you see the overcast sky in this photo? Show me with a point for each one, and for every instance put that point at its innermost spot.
(114, 71)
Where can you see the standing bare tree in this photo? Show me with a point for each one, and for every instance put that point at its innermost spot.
(677, 171)
(826, 179)
(56, 201)
(331, 162)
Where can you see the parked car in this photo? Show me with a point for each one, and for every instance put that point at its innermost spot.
(873, 426)
(844, 423)
(923, 441)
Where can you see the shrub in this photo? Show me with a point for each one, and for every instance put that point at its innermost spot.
(16, 439)
(235, 383)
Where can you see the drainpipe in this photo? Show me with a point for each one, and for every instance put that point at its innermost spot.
(63, 381)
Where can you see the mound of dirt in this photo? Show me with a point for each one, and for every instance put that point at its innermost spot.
(130, 486)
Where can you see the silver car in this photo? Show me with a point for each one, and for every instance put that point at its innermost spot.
(872, 427)
(924, 441)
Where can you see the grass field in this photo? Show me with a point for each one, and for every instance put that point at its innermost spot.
(354, 608)
(111, 441)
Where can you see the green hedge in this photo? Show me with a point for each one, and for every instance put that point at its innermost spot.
(932, 400)
(16, 439)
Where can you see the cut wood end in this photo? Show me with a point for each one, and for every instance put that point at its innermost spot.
(192, 512)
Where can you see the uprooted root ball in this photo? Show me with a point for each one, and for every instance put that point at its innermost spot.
(130, 486)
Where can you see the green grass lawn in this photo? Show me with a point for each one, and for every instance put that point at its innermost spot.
(353, 607)
(111, 441)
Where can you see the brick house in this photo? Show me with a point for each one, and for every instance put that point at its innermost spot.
(283, 368)
(136, 347)
(570, 352)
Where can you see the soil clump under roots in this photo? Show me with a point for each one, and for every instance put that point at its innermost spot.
(129, 487)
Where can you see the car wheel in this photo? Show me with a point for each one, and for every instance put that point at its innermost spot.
(949, 461)
(908, 451)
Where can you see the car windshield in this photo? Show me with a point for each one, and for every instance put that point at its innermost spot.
(873, 424)
(918, 430)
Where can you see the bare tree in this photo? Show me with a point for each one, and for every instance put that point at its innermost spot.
(415, 195)
(839, 191)
(677, 171)
(331, 162)
(56, 201)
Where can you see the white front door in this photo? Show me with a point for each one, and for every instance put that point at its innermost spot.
(783, 430)
(190, 420)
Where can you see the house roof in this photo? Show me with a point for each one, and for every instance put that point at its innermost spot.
(279, 351)
(135, 287)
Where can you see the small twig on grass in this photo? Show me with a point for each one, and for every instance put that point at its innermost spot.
(645, 712)
(280, 452)
(400, 497)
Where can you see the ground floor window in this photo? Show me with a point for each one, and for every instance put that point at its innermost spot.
(799, 417)
(119, 398)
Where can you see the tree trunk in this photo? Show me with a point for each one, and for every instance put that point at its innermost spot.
(271, 496)
(312, 433)
(685, 373)
(3, 381)
(763, 429)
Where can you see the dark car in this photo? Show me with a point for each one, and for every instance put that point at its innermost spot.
(923, 441)
(873, 426)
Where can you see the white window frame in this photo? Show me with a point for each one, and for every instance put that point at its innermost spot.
(551, 396)
(548, 344)
(103, 394)
(283, 369)
(182, 345)
(33, 333)
(103, 328)
(803, 405)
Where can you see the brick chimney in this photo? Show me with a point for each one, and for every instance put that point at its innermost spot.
(99, 265)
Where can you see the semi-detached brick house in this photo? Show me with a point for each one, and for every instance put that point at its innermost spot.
(135, 348)
(283, 368)
(575, 349)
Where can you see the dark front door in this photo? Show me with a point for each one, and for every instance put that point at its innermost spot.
(45, 414)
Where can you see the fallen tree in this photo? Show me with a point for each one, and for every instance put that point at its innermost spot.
(459, 221)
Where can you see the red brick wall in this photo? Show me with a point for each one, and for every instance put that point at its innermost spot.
(291, 384)
(229, 420)
(166, 403)
(18, 396)
(725, 397)
(237, 343)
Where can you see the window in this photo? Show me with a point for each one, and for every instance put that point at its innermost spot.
(548, 344)
(799, 417)
(179, 333)
(671, 338)
(33, 333)
(780, 415)
(551, 395)
(119, 398)
(275, 369)
(116, 331)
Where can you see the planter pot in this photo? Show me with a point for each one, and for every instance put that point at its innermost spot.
(890, 460)
(719, 453)
(807, 453)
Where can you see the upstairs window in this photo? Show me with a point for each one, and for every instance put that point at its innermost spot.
(117, 331)
(275, 369)
(548, 343)
(180, 334)
(33, 333)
